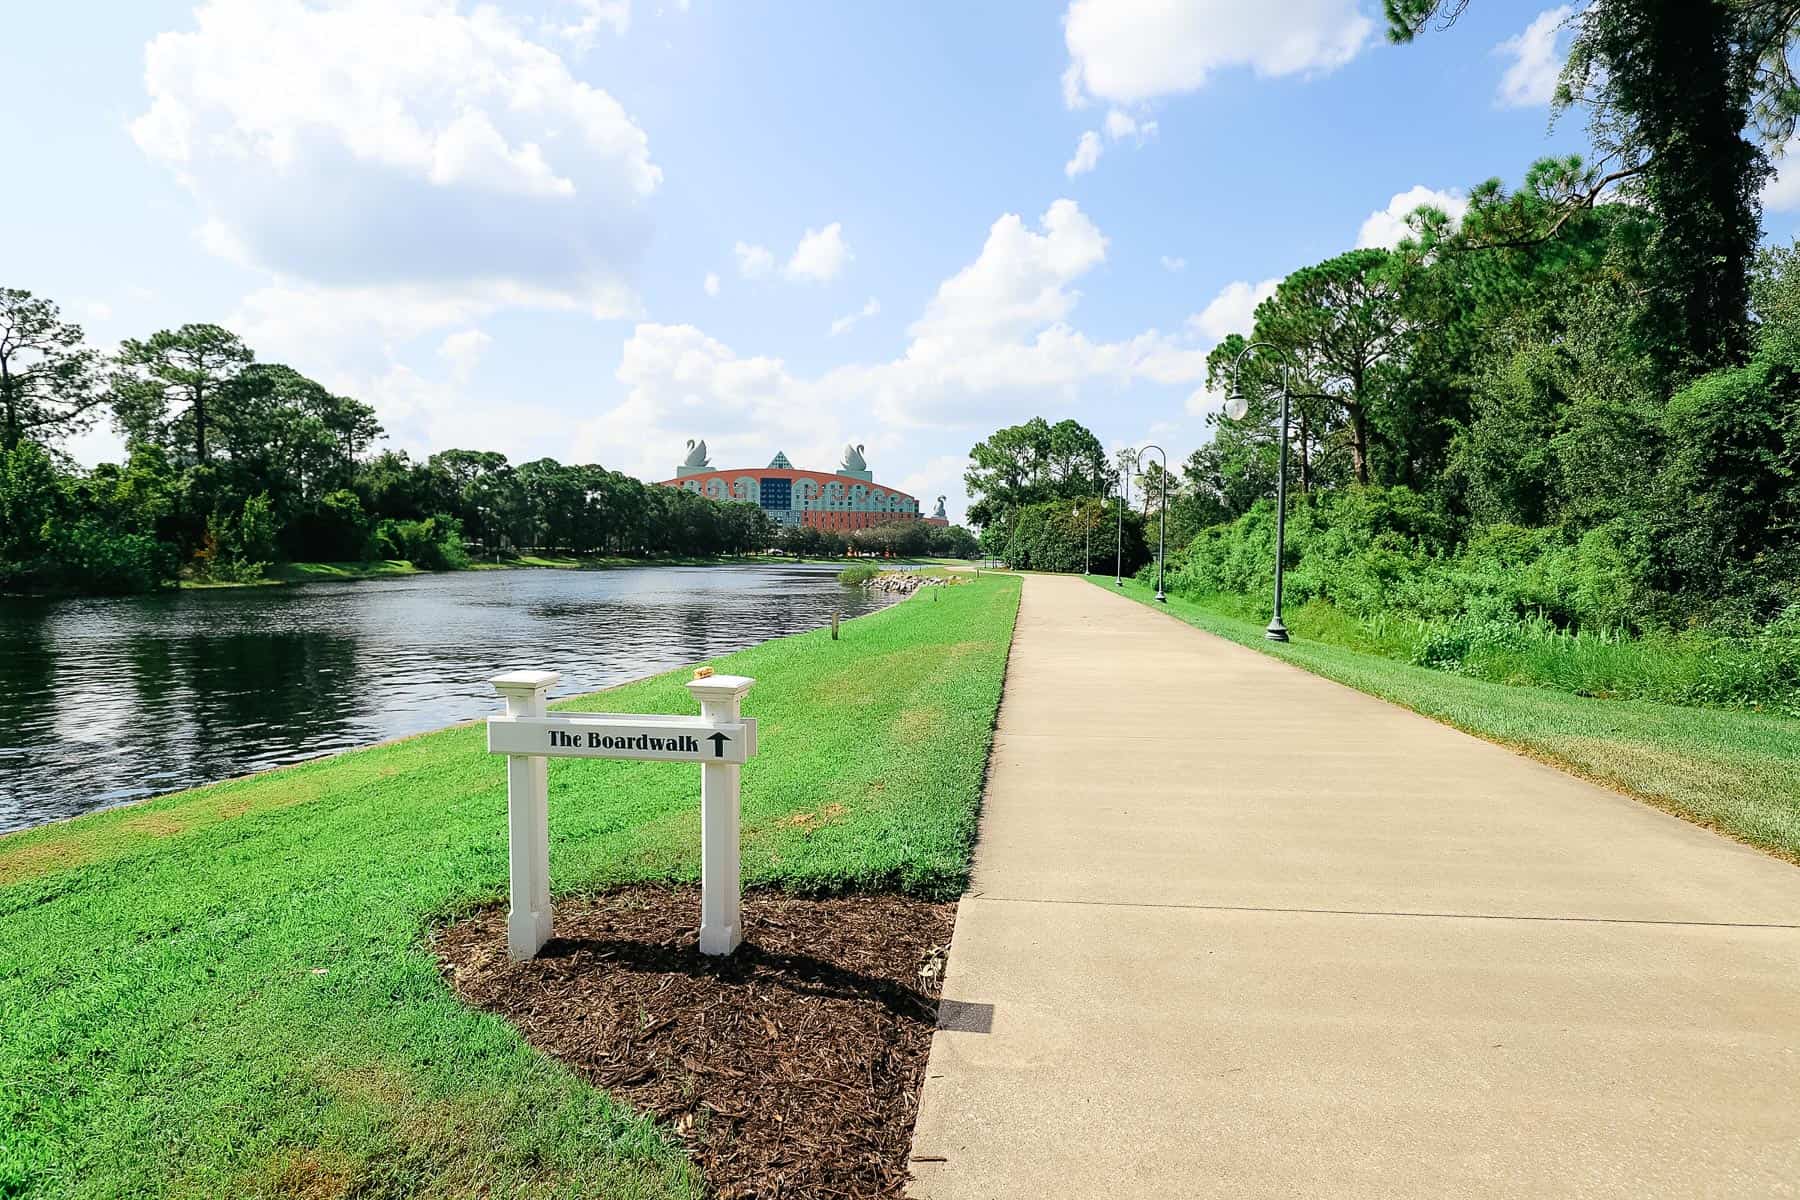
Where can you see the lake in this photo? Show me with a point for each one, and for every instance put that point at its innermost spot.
(113, 699)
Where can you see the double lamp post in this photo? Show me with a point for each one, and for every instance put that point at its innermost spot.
(1237, 407)
(1128, 461)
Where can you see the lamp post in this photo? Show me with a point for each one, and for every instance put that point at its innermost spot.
(1236, 406)
(1162, 516)
(1087, 530)
(1127, 464)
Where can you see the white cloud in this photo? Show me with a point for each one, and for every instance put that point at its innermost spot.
(615, 14)
(350, 329)
(1388, 227)
(1121, 124)
(1233, 310)
(753, 262)
(1071, 88)
(1201, 401)
(1019, 281)
(373, 144)
(1129, 51)
(1782, 192)
(711, 283)
(1530, 79)
(843, 324)
(820, 256)
(1173, 264)
(1087, 155)
(994, 337)
(463, 350)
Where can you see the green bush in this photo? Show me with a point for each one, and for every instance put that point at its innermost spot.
(857, 575)
(1054, 536)
(92, 557)
(1383, 552)
(48, 543)
(433, 544)
(334, 529)
(1378, 570)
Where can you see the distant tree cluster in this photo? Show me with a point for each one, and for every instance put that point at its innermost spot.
(233, 464)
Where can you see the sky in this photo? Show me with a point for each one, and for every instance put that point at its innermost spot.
(595, 229)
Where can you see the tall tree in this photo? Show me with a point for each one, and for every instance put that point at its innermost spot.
(171, 381)
(1671, 86)
(1346, 330)
(1033, 462)
(49, 383)
(291, 431)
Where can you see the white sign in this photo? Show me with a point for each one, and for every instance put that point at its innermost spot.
(719, 740)
(622, 735)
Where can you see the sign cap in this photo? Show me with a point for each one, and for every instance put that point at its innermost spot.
(526, 681)
(719, 687)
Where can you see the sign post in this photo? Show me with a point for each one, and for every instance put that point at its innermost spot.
(527, 818)
(720, 740)
(721, 877)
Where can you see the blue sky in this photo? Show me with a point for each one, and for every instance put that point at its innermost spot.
(595, 228)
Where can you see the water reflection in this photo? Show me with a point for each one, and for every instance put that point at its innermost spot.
(106, 700)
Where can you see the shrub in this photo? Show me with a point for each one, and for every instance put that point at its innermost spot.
(91, 556)
(433, 544)
(857, 575)
(1054, 536)
(335, 529)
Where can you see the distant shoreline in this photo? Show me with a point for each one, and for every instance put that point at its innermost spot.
(285, 574)
(289, 574)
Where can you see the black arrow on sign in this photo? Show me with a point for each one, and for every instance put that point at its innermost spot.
(718, 740)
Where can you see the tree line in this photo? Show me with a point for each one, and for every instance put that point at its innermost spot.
(233, 464)
(1580, 403)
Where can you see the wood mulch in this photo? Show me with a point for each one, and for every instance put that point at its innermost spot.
(790, 1069)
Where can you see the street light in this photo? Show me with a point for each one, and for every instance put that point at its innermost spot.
(1236, 407)
(1162, 515)
(1087, 562)
(1127, 464)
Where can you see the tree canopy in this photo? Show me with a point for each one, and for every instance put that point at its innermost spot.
(1033, 462)
(234, 464)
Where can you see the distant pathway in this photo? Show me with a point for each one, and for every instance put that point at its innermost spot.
(1248, 933)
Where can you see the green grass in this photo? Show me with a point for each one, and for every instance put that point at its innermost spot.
(1692, 668)
(228, 991)
(310, 571)
(1737, 772)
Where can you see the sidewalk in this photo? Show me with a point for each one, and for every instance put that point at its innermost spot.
(1248, 933)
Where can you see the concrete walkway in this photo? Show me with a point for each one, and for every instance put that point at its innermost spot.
(1237, 931)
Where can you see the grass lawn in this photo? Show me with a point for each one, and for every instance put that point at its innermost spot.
(227, 991)
(1737, 772)
(307, 572)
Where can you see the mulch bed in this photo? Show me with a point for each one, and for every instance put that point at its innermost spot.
(790, 1069)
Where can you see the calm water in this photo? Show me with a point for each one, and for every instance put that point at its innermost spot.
(107, 700)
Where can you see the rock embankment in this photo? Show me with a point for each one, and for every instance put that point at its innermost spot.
(906, 583)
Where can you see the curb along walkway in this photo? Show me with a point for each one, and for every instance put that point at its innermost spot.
(1238, 931)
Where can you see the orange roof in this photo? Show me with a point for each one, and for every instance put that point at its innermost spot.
(782, 473)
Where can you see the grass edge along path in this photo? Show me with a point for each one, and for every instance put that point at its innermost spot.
(1734, 772)
(227, 991)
